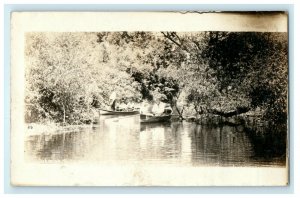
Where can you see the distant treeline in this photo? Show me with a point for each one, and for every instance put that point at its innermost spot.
(70, 75)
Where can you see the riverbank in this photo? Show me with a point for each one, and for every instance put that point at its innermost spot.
(250, 118)
(52, 128)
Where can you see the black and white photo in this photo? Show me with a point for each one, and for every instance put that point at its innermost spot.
(173, 106)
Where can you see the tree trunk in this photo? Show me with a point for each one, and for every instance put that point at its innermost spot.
(179, 112)
(64, 119)
(239, 110)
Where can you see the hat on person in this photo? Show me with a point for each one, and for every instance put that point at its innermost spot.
(163, 97)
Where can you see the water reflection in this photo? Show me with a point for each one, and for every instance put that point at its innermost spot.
(124, 139)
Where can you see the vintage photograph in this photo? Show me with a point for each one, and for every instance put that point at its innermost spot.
(155, 102)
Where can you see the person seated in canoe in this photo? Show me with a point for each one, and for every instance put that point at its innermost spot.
(130, 104)
(146, 107)
(168, 109)
(123, 105)
(158, 108)
(113, 100)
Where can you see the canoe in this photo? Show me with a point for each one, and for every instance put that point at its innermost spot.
(110, 112)
(151, 119)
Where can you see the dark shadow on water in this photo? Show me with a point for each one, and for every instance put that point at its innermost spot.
(269, 144)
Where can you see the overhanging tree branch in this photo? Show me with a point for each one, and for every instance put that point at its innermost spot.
(168, 36)
(239, 110)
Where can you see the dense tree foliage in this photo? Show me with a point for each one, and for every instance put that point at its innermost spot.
(255, 64)
(70, 75)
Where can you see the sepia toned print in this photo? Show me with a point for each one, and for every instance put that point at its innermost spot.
(154, 107)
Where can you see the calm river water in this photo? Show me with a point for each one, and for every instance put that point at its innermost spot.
(125, 140)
